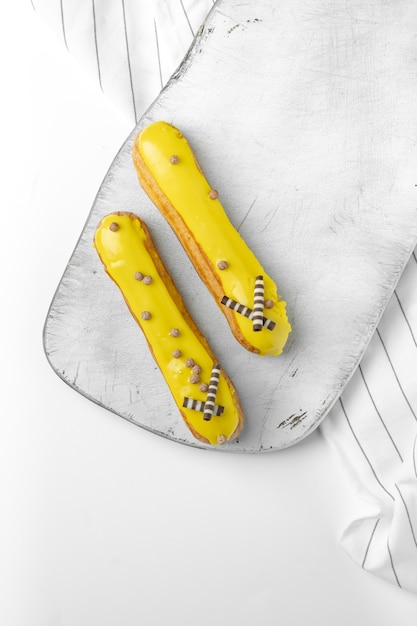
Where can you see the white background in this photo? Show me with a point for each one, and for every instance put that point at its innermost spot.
(102, 523)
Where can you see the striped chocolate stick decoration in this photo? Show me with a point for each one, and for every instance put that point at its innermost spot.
(246, 311)
(236, 306)
(212, 392)
(199, 405)
(258, 304)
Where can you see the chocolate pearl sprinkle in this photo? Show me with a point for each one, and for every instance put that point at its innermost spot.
(174, 159)
(190, 362)
(147, 280)
(194, 379)
(214, 194)
(196, 369)
(203, 387)
(174, 332)
(176, 354)
(145, 315)
(139, 276)
(114, 226)
(222, 265)
(269, 304)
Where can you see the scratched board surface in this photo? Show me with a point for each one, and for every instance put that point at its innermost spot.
(302, 115)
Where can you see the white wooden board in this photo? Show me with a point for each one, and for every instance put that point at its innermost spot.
(303, 116)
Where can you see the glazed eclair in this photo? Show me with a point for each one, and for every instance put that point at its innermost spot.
(203, 392)
(171, 176)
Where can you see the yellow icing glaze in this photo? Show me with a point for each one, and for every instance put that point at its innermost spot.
(124, 251)
(188, 191)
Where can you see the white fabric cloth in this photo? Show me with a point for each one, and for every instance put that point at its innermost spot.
(131, 48)
(373, 431)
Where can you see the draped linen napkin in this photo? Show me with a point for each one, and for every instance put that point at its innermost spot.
(131, 48)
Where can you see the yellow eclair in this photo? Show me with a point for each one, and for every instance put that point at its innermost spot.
(204, 394)
(171, 176)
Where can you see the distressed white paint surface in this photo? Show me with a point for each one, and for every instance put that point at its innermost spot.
(302, 114)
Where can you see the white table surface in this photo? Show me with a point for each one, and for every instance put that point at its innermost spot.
(101, 522)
